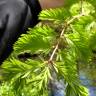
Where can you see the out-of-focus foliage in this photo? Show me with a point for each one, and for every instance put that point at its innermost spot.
(68, 38)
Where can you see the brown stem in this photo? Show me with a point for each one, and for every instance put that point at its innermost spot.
(62, 33)
(56, 47)
(53, 53)
(81, 6)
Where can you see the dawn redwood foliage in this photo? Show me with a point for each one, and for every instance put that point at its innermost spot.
(63, 39)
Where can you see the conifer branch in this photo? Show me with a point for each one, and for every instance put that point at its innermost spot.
(56, 47)
(50, 61)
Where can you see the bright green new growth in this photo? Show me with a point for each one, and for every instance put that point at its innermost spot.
(66, 40)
